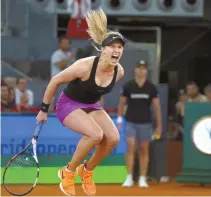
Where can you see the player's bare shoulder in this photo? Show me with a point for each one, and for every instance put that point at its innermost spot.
(120, 71)
(85, 61)
(84, 65)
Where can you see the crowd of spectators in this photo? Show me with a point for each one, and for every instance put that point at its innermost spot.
(191, 93)
(15, 95)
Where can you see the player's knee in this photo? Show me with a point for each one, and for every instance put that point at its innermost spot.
(98, 136)
(114, 139)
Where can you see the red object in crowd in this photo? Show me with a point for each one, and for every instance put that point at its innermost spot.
(33, 109)
(13, 109)
(77, 29)
(111, 110)
(77, 25)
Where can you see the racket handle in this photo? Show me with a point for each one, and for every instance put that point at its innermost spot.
(37, 130)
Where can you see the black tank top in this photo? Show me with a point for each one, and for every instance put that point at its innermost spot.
(88, 91)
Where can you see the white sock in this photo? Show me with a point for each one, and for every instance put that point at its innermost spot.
(129, 176)
(142, 178)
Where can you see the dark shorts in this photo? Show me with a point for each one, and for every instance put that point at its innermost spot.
(65, 106)
(142, 132)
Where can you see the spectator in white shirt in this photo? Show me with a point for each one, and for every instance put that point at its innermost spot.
(23, 96)
(193, 93)
(79, 8)
(61, 58)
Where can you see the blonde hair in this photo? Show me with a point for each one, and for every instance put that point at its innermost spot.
(97, 25)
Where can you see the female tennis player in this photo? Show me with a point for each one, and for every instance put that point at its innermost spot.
(78, 108)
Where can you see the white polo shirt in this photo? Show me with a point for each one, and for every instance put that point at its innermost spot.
(19, 94)
(58, 56)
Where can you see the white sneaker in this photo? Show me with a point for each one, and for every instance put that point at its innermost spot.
(128, 182)
(143, 183)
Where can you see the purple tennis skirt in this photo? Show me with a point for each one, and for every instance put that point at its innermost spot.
(65, 106)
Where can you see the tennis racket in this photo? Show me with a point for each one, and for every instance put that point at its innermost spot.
(22, 171)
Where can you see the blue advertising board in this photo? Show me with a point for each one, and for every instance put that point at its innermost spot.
(55, 139)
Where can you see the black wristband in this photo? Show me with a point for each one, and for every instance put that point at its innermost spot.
(44, 107)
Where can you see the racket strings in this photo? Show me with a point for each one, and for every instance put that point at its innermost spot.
(24, 168)
(24, 161)
(23, 164)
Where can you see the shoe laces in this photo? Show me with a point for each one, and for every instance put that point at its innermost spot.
(70, 177)
(87, 177)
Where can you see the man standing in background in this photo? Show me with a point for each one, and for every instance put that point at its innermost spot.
(61, 58)
(138, 94)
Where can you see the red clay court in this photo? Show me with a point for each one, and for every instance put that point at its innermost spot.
(156, 189)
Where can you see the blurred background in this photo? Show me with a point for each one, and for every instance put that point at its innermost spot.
(172, 36)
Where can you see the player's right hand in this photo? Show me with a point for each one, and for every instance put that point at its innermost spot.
(41, 117)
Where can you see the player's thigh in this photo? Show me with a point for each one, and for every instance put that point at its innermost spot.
(80, 122)
(110, 132)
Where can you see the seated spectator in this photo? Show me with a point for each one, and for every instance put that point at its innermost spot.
(6, 105)
(24, 97)
(4, 97)
(10, 81)
(11, 98)
(207, 92)
(193, 93)
(180, 106)
(61, 58)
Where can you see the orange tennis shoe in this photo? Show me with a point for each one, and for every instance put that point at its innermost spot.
(67, 184)
(86, 176)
